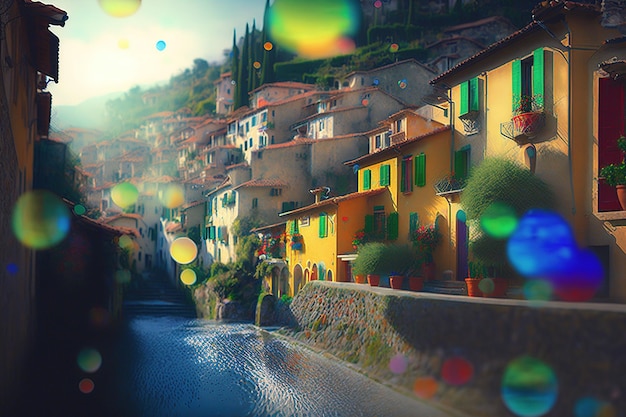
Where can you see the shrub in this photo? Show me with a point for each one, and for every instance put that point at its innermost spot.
(504, 181)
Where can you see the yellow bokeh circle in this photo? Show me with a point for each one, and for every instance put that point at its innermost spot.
(183, 250)
(188, 277)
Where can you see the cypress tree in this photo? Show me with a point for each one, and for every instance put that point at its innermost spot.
(269, 57)
(242, 77)
(253, 79)
(234, 70)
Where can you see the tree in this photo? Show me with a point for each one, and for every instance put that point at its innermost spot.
(234, 69)
(252, 72)
(242, 77)
(200, 67)
(269, 57)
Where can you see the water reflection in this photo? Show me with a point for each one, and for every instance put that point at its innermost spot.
(180, 367)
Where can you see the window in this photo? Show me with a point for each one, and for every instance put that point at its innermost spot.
(139, 256)
(253, 121)
(413, 223)
(406, 183)
(272, 141)
(321, 125)
(461, 163)
(255, 203)
(273, 114)
(528, 78)
(367, 179)
(398, 125)
(259, 155)
(247, 127)
(264, 117)
(323, 232)
(392, 226)
(385, 175)
(250, 141)
(289, 205)
(245, 146)
(274, 192)
(377, 142)
(469, 97)
(420, 170)
(387, 139)
(379, 221)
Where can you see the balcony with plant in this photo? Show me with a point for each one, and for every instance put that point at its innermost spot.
(614, 175)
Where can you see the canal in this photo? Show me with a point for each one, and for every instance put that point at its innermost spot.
(172, 366)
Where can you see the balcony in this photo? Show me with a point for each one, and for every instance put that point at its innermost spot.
(449, 186)
(524, 127)
(398, 137)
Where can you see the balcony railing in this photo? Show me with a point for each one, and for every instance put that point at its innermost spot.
(524, 127)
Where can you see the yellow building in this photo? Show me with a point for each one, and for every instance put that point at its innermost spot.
(553, 61)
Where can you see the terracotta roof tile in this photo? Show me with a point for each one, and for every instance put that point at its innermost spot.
(269, 182)
(335, 200)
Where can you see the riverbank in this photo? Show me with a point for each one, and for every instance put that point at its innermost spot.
(453, 350)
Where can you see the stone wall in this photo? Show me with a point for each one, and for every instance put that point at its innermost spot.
(584, 345)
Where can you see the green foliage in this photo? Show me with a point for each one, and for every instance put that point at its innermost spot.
(615, 174)
(194, 234)
(504, 181)
(379, 258)
(285, 299)
(242, 225)
(263, 269)
(246, 247)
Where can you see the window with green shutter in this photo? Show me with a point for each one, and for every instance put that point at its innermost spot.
(385, 175)
(323, 230)
(212, 232)
(369, 223)
(392, 226)
(420, 170)
(538, 76)
(293, 227)
(516, 86)
(461, 163)
(406, 179)
(413, 223)
(367, 179)
(468, 101)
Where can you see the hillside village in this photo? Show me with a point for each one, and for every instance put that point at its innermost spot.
(382, 152)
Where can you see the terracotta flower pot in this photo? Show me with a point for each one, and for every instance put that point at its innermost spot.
(472, 287)
(429, 270)
(360, 279)
(395, 281)
(621, 195)
(416, 283)
(499, 288)
(373, 280)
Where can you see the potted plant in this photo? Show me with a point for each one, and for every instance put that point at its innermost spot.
(425, 240)
(528, 115)
(615, 174)
(489, 256)
(475, 275)
(414, 274)
(296, 241)
(359, 239)
(371, 262)
(398, 261)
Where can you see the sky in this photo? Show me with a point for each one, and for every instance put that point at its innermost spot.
(101, 54)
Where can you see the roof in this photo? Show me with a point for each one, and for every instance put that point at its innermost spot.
(173, 227)
(268, 227)
(269, 182)
(91, 223)
(480, 22)
(285, 84)
(393, 64)
(123, 216)
(192, 204)
(334, 201)
(397, 146)
(554, 8)
(454, 39)
(615, 67)
(53, 15)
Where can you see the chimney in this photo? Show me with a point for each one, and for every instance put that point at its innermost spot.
(317, 192)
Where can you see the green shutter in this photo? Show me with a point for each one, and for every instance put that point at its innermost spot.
(385, 175)
(293, 227)
(285, 207)
(212, 232)
(464, 102)
(413, 222)
(460, 164)
(369, 223)
(367, 179)
(420, 170)
(516, 77)
(473, 94)
(322, 225)
(392, 226)
(538, 71)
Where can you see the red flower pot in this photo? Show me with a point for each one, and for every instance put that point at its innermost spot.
(621, 195)
(395, 281)
(416, 283)
(360, 279)
(373, 280)
(472, 287)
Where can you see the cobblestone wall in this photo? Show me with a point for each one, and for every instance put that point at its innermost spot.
(584, 345)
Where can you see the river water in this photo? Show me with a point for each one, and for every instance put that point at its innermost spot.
(181, 367)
